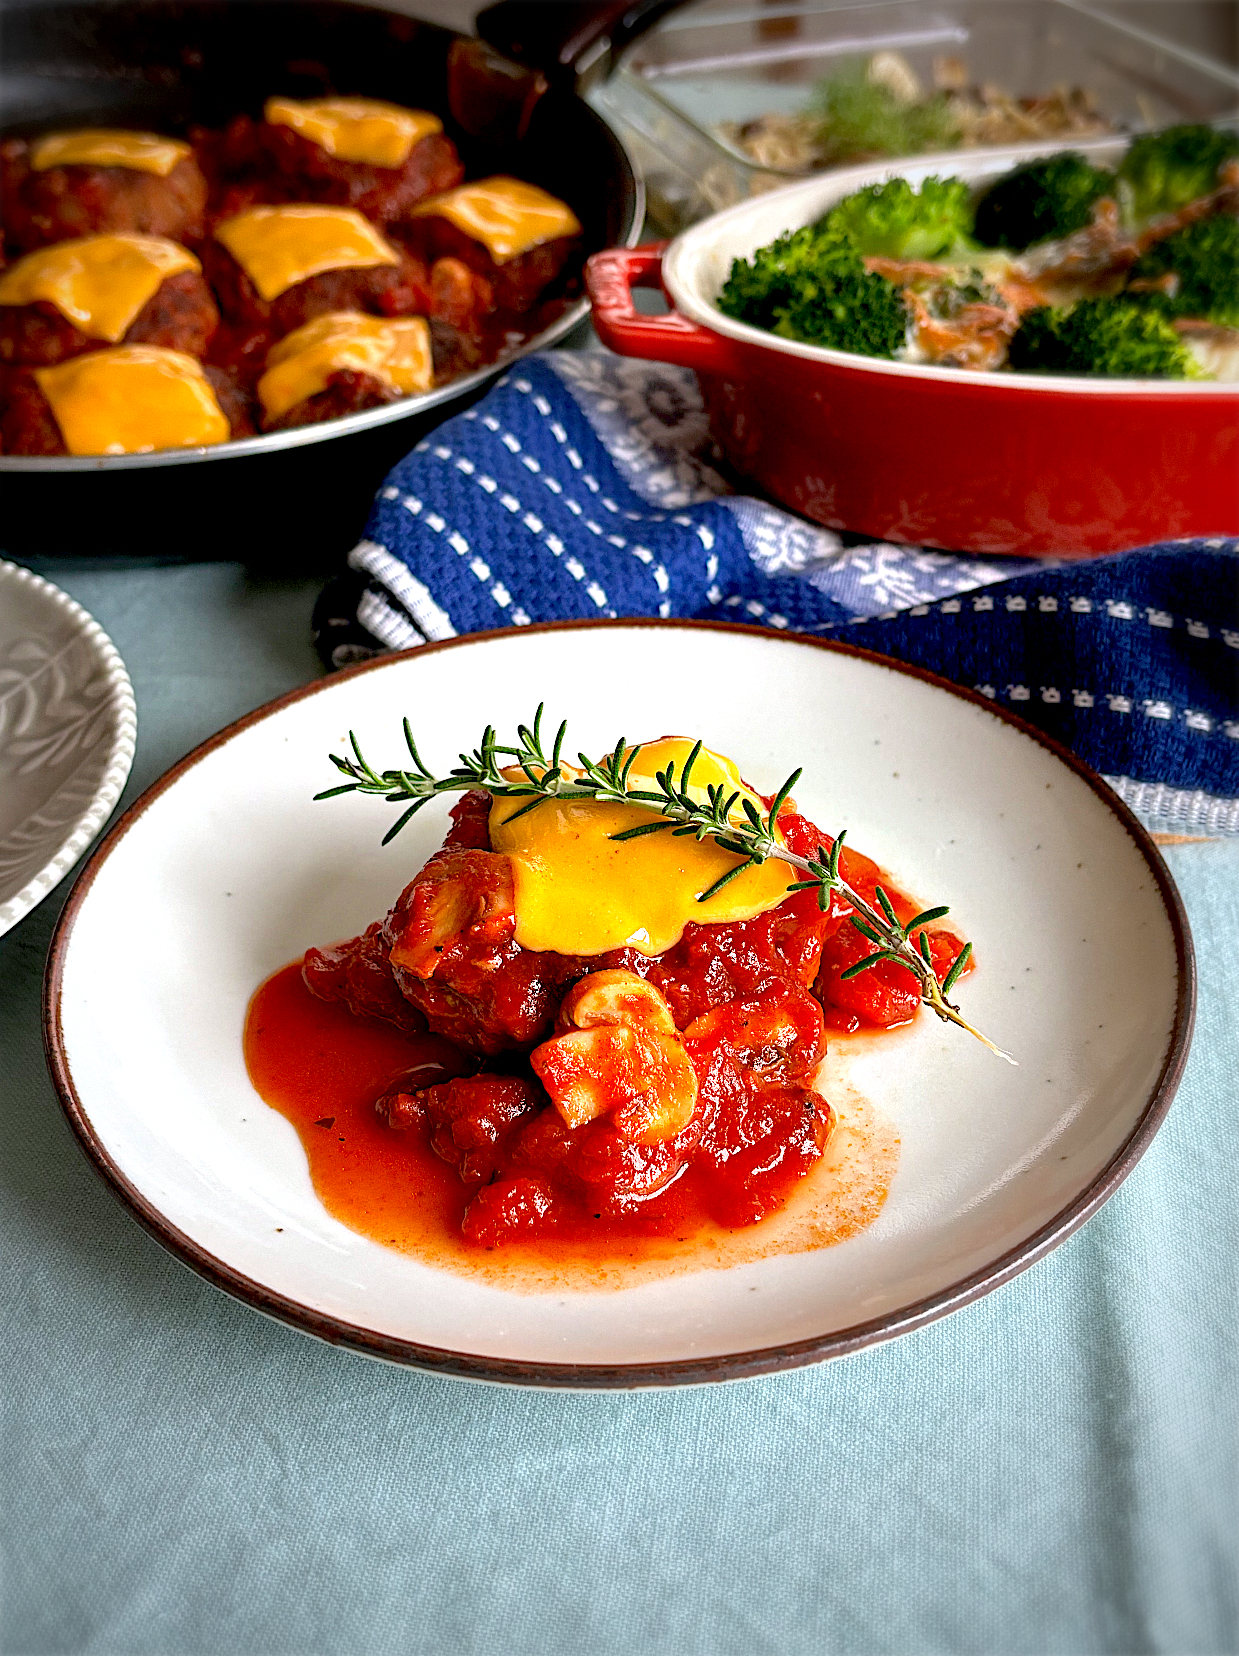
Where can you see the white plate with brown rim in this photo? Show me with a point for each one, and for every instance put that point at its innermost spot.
(226, 869)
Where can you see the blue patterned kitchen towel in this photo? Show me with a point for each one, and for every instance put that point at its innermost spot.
(586, 485)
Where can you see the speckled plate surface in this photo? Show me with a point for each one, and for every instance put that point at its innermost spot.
(226, 869)
(67, 728)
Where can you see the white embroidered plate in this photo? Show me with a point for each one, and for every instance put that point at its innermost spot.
(67, 727)
(226, 869)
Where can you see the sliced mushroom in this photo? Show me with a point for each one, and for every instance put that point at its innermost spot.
(620, 1054)
(615, 997)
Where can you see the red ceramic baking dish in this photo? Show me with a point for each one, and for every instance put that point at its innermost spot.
(977, 462)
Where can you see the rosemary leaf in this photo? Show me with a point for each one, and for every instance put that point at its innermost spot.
(726, 879)
(866, 930)
(412, 811)
(887, 910)
(952, 977)
(641, 829)
(525, 809)
(780, 799)
(924, 918)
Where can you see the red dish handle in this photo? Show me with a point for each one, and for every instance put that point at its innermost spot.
(609, 280)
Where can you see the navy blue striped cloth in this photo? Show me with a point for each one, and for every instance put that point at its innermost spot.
(584, 485)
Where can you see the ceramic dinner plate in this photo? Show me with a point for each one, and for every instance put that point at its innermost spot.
(226, 869)
(67, 727)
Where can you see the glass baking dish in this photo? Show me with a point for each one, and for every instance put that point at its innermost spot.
(720, 62)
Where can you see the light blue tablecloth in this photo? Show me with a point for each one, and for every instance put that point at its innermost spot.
(1054, 1469)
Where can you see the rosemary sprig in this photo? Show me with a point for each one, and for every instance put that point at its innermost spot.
(726, 816)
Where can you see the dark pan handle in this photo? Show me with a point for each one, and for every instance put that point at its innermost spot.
(488, 94)
(576, 40)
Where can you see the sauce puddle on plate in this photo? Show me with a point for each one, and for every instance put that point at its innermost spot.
(322, 1069)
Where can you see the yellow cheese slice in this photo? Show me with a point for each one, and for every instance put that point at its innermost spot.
(355, 129)
(99, 283)
(132, 399)
(109, 147)
(506, 215)
(580, 892)
(395, 351)
(277, 247)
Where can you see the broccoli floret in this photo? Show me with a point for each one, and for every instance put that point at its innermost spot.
(894, 221)
(858, 118)
(1039, 201)
(1165, 170)
(1101, 336)
(1204, 260)
(756, 289)
(812, 285)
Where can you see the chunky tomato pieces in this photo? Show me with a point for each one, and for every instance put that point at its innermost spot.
(882, 995)
(615, 1082)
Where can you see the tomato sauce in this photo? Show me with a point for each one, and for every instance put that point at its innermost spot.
(323, 1068)
(586, 1121)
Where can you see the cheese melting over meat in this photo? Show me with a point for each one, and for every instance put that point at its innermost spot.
(99, 283)
(133, 399)
(580, 892)
(356, 129)
(109, 147)
(395, 352)
(277, 247)
(508, 216)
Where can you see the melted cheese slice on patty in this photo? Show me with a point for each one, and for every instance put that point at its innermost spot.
(355, 129)
(395, 352)
(277, 247)
(580, 892)
(508, 216)
(133, 399)
(109, 147)
(99, 283)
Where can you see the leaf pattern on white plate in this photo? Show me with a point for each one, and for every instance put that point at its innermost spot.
(67, 726)
(23, 851)
(53, 703)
